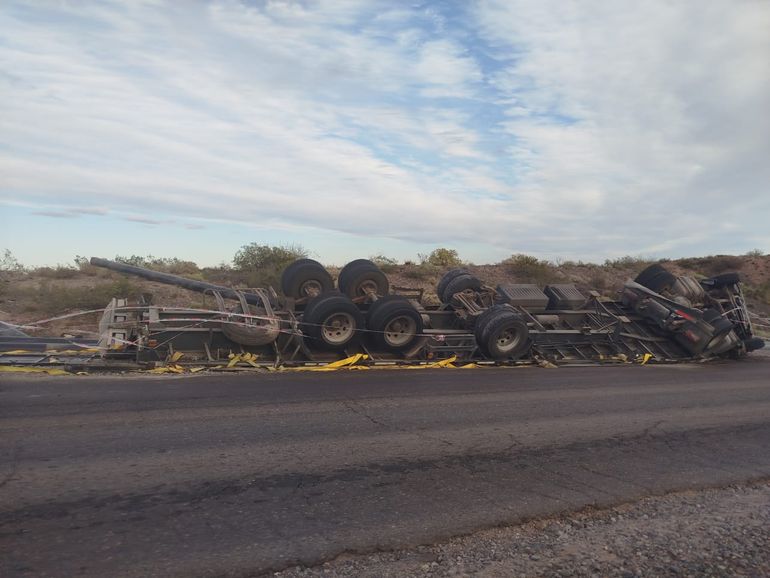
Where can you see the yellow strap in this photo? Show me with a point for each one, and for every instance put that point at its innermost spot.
(24, 369)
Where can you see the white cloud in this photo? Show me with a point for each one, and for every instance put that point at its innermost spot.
(639, 117)
(580, 126)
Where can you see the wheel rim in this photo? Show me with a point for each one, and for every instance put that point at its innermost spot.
(311, 288)
(338, 329)
(367, 286)
(507, 340)
(400, 330)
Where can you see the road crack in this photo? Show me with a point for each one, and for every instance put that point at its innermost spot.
(359, 409)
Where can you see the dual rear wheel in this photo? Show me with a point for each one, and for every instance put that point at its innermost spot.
(362, 278)
(501, 333)
(305, 278)
(456, 281)
(332, 322)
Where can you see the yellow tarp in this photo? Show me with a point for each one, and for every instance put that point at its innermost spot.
(25, 369)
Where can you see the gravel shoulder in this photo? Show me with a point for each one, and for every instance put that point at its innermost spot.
(714, 532)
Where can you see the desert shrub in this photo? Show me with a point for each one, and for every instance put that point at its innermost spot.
(531, 269)
(628, 262)
(175, 266)
(694, 263)
(256, 256)
(58, 272)
(755, 253)
(442, 257)
(10, 263)
(722, 263)
(258, 265)
(223, 274)
(51, 298)
(84, 266)
(420, 271)
(712, 264)
(172, 265)
(386, 264)
(597, 280)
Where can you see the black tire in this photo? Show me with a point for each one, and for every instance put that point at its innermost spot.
(350, 270)
(663, 281)
(312, 303)
(458, 284)
(649, 272)
(723, 280)
(358, 278)
(753, 343)
(299, 278)
(720, 324)
(288, 271)
(332, 322)
(447, 277)
(503, 335)
(487, 313)
(394, 323)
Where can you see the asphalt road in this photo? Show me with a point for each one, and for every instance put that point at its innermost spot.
(239, 475)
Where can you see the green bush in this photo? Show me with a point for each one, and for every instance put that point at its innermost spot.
(441, 257)
(530, 269)
(420, 271)
(260, 265)
(256, 256)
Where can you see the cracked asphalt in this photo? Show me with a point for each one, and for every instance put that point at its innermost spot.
(241, 475)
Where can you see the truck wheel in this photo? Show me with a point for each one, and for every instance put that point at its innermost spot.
(459, 284)
(503, 335)
(395, 323)
(361, 277)
(661, 282)
(648, 273)
(304, 278)
(447, 277)
(723, 280)
(753, 343)
(332, 322)
(656, 278)
(345, 273)
(487, 313)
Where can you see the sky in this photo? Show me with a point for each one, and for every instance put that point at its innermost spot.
(563, 129)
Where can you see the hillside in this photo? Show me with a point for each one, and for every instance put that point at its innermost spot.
(28, 295)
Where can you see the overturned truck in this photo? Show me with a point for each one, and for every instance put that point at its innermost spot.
(658, 317)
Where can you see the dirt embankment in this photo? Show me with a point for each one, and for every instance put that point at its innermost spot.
(31, 295)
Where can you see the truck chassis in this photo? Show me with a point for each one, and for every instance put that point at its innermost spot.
(658, 317)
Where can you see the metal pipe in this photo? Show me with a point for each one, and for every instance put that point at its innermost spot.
(169, 279)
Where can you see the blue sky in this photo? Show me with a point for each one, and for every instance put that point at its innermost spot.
(572, 130)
